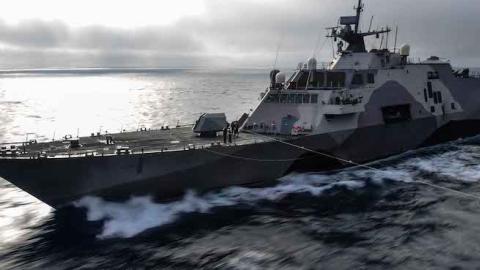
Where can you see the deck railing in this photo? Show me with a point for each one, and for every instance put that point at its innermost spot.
(134, 150)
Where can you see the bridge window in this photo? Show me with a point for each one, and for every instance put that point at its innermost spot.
(291, 98)
(425, 95)
(335, 79)
(302, 80)
(306, 98)
(317, 79)
(299, 98)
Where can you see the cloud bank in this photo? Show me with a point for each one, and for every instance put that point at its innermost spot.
(242, 33)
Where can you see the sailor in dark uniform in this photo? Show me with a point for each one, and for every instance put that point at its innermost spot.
(235, 127)
(225, 131)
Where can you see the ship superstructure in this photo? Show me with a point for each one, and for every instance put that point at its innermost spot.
(340, 97)
(363, 105)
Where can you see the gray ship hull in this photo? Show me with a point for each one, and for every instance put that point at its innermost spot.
(58, 182)
(366, 105)
(163, 175)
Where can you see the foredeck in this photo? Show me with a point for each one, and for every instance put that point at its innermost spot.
(145, 141)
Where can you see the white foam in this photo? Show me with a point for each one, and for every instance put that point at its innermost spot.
(459, 165)
(250, 260)
(139, 214)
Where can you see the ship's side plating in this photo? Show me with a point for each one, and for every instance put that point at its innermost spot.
(164, 175)
(361, 107)
(391, 110)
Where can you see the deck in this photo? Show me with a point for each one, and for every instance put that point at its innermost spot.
(144, 141)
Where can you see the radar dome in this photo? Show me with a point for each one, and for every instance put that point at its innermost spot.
(405, 50)
(280, 77)
(300, 66)
(312, 63)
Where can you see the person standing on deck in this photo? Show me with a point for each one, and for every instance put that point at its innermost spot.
(225, 130)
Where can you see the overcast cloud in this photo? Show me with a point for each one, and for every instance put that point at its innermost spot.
(241, 33)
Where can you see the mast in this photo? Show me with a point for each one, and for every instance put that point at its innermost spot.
(359, 9)
(396, 36)
(349, 30)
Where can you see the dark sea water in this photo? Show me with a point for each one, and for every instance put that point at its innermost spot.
(350, 219)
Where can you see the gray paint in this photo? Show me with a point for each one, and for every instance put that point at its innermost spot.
(349, 130)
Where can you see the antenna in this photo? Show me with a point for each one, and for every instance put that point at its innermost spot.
(333, 49)
(370, 27)
(381, 41)
(388, 37)
(278, 51)
(280, 41)
(354, 37)
(315, 50)
(396, 36)
(359, 9)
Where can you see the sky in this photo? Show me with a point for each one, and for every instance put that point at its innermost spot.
(220, 33)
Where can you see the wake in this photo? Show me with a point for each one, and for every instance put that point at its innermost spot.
(130, 218)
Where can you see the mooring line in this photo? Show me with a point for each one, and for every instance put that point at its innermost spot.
(251, 159)
(364, 166)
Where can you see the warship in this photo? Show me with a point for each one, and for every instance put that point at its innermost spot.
(362, 106)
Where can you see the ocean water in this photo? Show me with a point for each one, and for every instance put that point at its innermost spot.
(349, 219)
(56, 103)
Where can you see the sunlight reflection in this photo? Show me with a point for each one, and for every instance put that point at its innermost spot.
(20, 212)
(62, 104)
